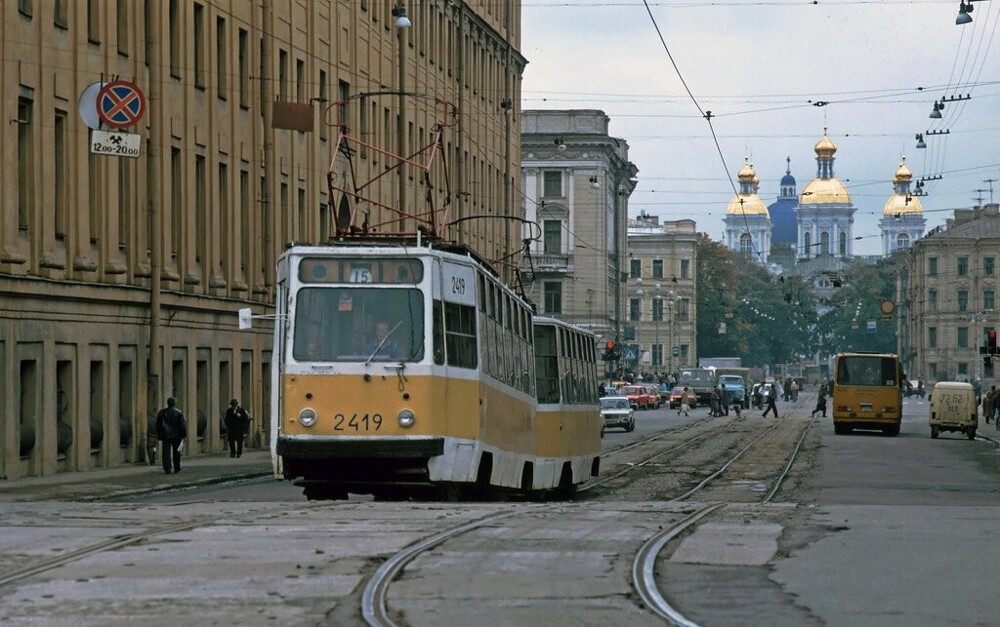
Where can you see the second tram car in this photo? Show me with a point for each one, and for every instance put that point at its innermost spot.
(867, 392)
(402, 366)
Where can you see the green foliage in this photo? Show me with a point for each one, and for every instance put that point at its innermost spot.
(845, 324)
(767, 319)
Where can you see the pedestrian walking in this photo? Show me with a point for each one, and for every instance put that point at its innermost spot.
(683, 406)
(820, 402)
(172, 430)
(723, 400)
(237, 425)
(772, 398)
(713, 402)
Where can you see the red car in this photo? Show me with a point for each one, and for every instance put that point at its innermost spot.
(641, 396)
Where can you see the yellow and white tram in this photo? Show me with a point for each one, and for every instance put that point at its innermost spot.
(401, 364)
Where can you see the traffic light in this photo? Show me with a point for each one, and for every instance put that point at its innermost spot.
(991, 342)
(610, 351)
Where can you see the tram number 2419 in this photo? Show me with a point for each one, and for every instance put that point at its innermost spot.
(355, 422)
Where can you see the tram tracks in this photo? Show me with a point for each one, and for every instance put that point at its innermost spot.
(643, 571)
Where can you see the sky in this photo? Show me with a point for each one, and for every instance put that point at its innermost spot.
(773, 74)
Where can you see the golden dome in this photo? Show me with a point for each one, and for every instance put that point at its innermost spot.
(825, 147)
(822, 191)
(902, 174)
(751, 205)
(898, 205)
(746, 173)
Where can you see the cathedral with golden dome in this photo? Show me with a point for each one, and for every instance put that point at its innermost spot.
(903, 220)
(748, 224)
(814, 231)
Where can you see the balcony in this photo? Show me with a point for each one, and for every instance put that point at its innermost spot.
(552, 263)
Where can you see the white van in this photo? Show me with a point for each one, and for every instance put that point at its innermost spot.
(953, 408)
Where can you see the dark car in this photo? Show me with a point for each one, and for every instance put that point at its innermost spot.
(617, 413)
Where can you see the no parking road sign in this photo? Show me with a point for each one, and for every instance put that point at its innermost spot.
(120, 104)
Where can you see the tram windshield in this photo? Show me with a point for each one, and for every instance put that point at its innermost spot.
(358, 324)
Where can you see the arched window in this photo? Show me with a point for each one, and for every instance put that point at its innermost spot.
(843, 244)
(746, 245)
(824, 247)
(902, 241)
(807, 245)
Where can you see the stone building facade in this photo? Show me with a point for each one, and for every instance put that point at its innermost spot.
(120, 278)
(577, 182)
(949, 292)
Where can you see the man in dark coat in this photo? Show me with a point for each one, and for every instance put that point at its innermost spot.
(237, 424)
(772, 397)
(171, 428)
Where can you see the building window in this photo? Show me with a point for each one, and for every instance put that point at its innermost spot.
(199, 46)
(121, 26)
(932, 300)
(25, 163)
(657, 309)
(685, 268)
(683, 311)
(746, 246)
(963, 300)
(635, 268)
(61, 171)
(932, 337)
(221, 59)
(932, 373)
(552, 240)
(824, 243)
(843, 244)
(988, 300)
(93, 22)
(932, 266)
(243, 59)
(174, 35)
(552, 184)
(963, 266)
(963, 367)
(902, 241)
(963, 337)
(988, 267)
(283, 75)
(806, 245)
(26, 9)
(657, 268)
(634, 309)
(553, 297)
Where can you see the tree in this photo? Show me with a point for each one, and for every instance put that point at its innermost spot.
(745, 311)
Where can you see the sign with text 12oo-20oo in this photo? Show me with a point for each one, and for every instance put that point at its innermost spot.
(115, 144)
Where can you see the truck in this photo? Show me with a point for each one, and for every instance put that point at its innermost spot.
(736, 389)
(700, 380)
(720, 362)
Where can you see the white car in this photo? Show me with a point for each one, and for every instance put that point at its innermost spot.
(617, 413)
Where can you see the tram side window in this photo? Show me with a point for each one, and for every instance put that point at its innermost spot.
(546, 365)
(460, 335)
(438, 333)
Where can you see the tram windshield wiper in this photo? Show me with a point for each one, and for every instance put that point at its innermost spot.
(382, 343)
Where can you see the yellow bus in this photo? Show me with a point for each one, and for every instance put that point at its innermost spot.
(867, 392)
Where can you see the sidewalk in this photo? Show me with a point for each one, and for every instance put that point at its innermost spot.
(133, 479)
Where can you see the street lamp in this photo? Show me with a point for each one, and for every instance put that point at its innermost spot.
(639, 293)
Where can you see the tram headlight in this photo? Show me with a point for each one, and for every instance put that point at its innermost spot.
(307, 417)
(406, 418)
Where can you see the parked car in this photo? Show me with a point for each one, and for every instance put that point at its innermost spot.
(617, 413)
(640, 396)
(677, 396)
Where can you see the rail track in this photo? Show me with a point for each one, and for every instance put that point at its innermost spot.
(374, 606)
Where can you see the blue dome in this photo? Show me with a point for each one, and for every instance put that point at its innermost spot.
(788, 179)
